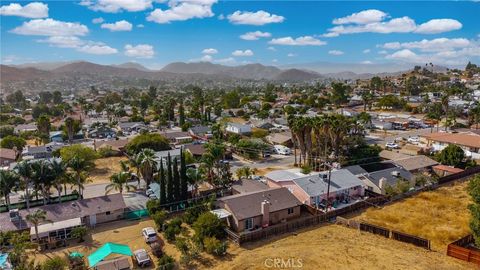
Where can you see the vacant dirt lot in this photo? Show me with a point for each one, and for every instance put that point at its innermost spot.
(337, 247)
(104, 168)
(440, 215)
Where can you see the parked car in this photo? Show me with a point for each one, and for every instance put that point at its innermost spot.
(141, 258)
(282, 150)
(149, 234)
(391, 145)
(413, 140)
(157, 249)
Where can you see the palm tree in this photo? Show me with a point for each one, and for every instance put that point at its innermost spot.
(9, 180)
(59, 170)
(79, 166)
(36, 218)
(24, 169)
(43, 177)
(119, 181)
(194, 178)
(70, 128)
(147, 164)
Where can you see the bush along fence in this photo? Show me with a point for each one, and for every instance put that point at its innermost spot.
(459, 249)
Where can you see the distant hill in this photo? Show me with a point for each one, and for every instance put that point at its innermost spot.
(9, 74)
(132, 65)
(296, 75)
(45, 65)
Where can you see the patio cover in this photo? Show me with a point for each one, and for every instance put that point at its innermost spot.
(107, 249)
(221, 213)
(54, 226)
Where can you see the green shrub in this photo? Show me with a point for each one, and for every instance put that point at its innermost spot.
(153, 206)
(166, 263)
(191, 214)
(208, 225)
(159, 218)
(107, 152)
(55, 263)
(173, 228)
(306, 169)
(214, 246)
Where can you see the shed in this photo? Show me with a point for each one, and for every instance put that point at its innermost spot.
(106, 250)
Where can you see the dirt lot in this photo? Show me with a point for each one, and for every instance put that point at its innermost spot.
(324, 247)
(440, 215)
(337, 247)
(104, 168)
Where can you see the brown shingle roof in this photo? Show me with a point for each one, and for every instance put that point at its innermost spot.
(246, 186)
(416, 162)
(464, 139)
(7, 153)
(248, 205)
(117, 145)
(195, 149)
(66, 210)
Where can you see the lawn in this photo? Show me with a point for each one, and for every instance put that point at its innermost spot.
(440, 215)
(104, 168)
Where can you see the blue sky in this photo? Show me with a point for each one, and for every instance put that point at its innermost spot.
(154, 33)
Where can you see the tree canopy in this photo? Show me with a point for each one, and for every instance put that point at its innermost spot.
(154, 141)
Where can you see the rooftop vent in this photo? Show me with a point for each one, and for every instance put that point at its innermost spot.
(396, 173)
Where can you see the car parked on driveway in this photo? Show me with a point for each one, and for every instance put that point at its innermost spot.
(391, 145)
(413, 140)
(141, 258)
(149, 234)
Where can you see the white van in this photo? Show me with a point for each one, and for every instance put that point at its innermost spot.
(282, 150)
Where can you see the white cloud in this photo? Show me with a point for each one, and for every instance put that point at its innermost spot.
(376, 21)
(63, 41)
(438, 44)
(362, 17)
(366, 62)
(181, 10)
(260, 17)
(140, 25)
(114, 6)
(436, 26)
(300, 41)
(227, 61)
(210, 51)
(98, 20)
(274, 60)
(255, 35)
(271, 48)
(206, 58)
(366, 51)
(50, 27)
(34, 10)
(382, 52)
(242, 53)
(335, 52)
(139, 51)
(118, 26)
(291, 55)
(99, 49)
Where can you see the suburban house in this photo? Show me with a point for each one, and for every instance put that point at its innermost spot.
(201, 132)
(178, 137)
(311, 189)
(378, 176)
(468, 141)
(416, 164)
(7, 156)
(37, 152)
(258, 209)
(115, 145)
(56, 136)
(101, 132)
(282, 138)
(238, 128)
(25, 128)
(197, 150)
(247, 185)
(444, 170)
(128, 127)
(263, 124)
(64, 216)
(163, 155)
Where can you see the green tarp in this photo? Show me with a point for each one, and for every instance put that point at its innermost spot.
(106, 250)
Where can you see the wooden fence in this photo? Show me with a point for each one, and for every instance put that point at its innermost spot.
(459, 250)
(411, 239)
(460, 175)
(290, 226)
(375, 229)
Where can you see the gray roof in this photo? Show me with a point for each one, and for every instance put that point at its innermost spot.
(130, 124)
(340, 180)
(66, 210)
(200, 129)
(238, 125)
(246, 185)
(247, 205)
(416, 162)
(392, 180)
(355, 169)
(164, 154)
(282, 175)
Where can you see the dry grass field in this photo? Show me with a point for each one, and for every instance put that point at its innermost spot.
(440, 215)
(104, 168)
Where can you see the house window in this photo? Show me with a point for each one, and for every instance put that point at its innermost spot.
(248, 223)
(290, 211)
(107, 213)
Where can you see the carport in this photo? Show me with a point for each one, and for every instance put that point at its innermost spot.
(106, 250)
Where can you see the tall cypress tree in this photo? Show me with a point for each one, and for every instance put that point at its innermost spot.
(176, 181)
(181, 111)
(163, 184)
(169, 180)
(183, 176)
